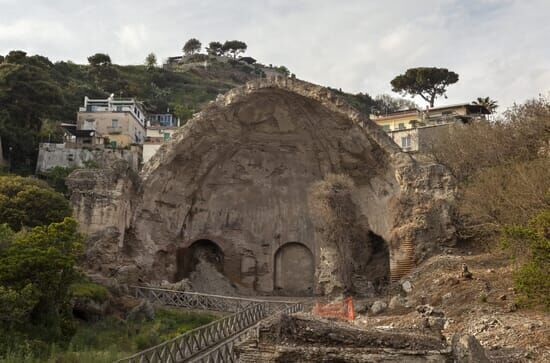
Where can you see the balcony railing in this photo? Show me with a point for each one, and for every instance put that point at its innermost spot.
(114, 130)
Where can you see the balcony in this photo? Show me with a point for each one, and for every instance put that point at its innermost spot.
(114, 130)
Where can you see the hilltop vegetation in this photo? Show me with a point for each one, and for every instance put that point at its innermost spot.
(36, 94)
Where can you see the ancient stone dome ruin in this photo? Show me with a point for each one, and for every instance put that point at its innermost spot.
(234, 188)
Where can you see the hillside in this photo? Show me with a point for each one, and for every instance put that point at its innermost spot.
(37, 94)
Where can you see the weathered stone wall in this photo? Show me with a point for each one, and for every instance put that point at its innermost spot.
(239, 173)
(51, 155)
(102, 203)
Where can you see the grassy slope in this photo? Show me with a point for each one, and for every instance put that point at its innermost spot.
(111, 339)
(160, 88)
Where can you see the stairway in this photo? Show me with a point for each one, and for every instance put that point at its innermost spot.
(403, 266)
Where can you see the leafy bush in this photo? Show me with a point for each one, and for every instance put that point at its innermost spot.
(27, 202)
(56, 177)
(89, 290)
(91, 164)
(530, 247)
(36, 268)
(148, 339)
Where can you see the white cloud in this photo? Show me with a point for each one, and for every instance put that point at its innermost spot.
(25, 30)
(132, 36)
(498, 47)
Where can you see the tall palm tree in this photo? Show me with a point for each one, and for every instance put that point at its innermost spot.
(486, 102)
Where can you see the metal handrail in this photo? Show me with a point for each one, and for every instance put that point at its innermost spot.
(209, 295)
(196, 300)
(224, 352)
(187, 345)
(220, 334)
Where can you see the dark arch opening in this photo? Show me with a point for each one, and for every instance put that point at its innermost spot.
(203, 249)
(293, 270)
(378, 267)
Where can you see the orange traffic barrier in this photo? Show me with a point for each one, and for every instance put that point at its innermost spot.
(341, 309)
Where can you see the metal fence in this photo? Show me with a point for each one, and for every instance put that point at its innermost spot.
(224, 353)
(212, 342)
(193, 300)
(197, 340)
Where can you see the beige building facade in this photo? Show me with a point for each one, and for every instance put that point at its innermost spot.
(120, 122)
(156, 136)
(414, 129)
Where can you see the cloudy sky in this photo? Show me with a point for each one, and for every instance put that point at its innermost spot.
(500, 48)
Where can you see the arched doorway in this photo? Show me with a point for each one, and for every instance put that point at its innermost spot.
(372, 265)
(203, 249)
(294, 270)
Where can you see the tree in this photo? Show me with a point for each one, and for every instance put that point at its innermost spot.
(36, 269)
(283, 70)
(248, 60)
(182, 112)
(16, 57)
(486, 102)
(386, 104)
(28, 94)
(192, 46)
(151, 61)
(234, 47)
(23, 201)
(99, 60)
(426, 82)
(215, 48)
(106, 75)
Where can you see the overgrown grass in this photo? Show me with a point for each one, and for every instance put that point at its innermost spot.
(89, 290)
(111, 338)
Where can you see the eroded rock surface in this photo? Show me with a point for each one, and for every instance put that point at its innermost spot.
(236, 178)
(303, 338)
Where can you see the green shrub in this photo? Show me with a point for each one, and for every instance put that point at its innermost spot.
(530, 247)
(147, 340)
(89, 290)
(27, 202)
(91, 164)
(56, 177)
(36, 268)
(483, 297)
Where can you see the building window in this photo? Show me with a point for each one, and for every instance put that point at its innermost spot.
(89, 124)
(401, 126)
(386, 128)
(114, 123)
(406, 142)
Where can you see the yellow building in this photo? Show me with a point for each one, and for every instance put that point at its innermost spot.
(399, 120)
(412, 118)
(119, 122)
(413, 129)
